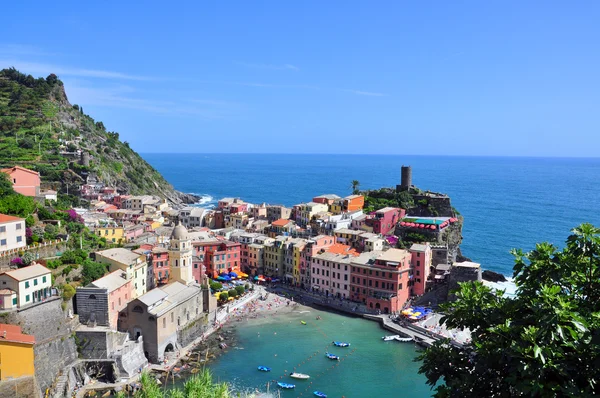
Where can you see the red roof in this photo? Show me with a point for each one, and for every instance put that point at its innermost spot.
(15, 168)
(13, 334)
(282, 222)
(339, 248)
(5, 218)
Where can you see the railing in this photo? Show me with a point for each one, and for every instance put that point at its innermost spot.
(31, 247)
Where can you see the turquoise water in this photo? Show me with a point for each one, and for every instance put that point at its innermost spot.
(369, 367)
(507, 202)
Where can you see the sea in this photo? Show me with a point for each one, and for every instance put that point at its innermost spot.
(506, 203)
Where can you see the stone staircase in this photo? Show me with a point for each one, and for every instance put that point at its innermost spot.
(59, 388)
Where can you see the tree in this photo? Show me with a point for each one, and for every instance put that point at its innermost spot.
(92, 271)
(544, 342)
(17, 205)
(240, 290)
(355, 184)
(6, 187)
(215, 286)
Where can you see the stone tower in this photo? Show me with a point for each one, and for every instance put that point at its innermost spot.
(405, 178)
(180, 255)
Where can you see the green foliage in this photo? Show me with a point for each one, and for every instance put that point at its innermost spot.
(92, 271)
(76, 256)
(233, 293)
(544, 342)
(53, 264)
(68, 292)
(240, 290)
(27, 258)
(223, 296)
(6, 187)
(50, 232)
(215, 286)
(355, 184)
(197, 386)
(17, 205)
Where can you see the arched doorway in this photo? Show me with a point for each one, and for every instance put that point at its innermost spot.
(386, 310)
(377, 306)
(169, 348)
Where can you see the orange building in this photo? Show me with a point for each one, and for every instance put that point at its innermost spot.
(25, 181)
(16, 352)
(354, 202)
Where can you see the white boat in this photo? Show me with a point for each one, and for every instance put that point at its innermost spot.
(397, 338)
(299, 376)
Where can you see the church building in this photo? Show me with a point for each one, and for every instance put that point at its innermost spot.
(172, 316)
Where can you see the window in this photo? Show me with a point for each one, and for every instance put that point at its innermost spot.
(164, 323)
(43, 279)
(138, 309)
(3, 229)
(19, 226)
(3, 242)
(15, 301)
(26, 284)
(27, 298)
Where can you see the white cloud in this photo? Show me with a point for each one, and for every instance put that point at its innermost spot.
(36, 68)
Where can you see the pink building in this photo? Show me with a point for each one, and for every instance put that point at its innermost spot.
(160, 265)
(235, 208)
(421, 262)
(119, 293)
(380, 280)
(313, 246)
(327, 199)
(25, 181)
(119, 199)
(199, 270)
(219, 256)
(132, 232)
(384, 220)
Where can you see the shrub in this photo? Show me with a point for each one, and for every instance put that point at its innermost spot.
(216, 286)
(224, 296)
(68, 292)
(27, 258)
(17, 261)
(240, 290)
(233, 293)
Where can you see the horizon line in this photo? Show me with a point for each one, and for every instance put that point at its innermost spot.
(372, 154)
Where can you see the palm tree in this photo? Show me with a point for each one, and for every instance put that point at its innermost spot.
(355, 185)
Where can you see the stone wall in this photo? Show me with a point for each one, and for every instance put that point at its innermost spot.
(51, 250)
(21, 387)
(441, 205)
(91, 304)
(193, 330)
(100, 344)
(130, 357)
(52, 357)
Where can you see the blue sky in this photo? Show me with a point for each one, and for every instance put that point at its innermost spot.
(452, 78)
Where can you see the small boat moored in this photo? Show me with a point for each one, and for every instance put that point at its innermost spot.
(320, 394)
(286, 386)
(331, 356)
(397, 338)
(341, 344)
(299, 376)
(264, 368)
(389, 338)
(303, 322)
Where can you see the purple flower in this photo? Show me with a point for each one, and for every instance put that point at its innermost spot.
(17, 261)
(28, 232)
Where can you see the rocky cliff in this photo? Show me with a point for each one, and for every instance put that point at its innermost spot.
(41, 130)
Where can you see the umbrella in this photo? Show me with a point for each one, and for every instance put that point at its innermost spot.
(256, 278)
(432, 226)
(233, 275)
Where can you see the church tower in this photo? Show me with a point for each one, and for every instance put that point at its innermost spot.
(180, 256)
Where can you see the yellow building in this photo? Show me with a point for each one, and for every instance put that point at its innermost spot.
(337, 207)
(16, 352)
(298, 249)
(112, 234)
(134, 265)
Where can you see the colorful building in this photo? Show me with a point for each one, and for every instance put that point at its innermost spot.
(16, 353)
(330, 272)
(421, 262)
(384, 220)
(111, 233)
(219, 256)
(30, 285)
(134, 265)
(25, 181)
(12, 232)
(276, 212)
(313, 246)
(282, 227)
(381, 280)
(327, 199)
(305, 211)
(354, 202)
(101, 301)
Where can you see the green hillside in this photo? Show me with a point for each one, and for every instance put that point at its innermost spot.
(41, 130)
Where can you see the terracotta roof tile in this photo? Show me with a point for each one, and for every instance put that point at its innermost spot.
(13, 334)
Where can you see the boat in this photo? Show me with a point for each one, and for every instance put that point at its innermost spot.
(341, 344)
(287, 386)
(299, 376)
(397, 338)
(320, 394)
(264, 368)
(331, 356)
(302, 322)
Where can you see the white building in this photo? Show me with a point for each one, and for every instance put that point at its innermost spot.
(25, 286)
(12, 232)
